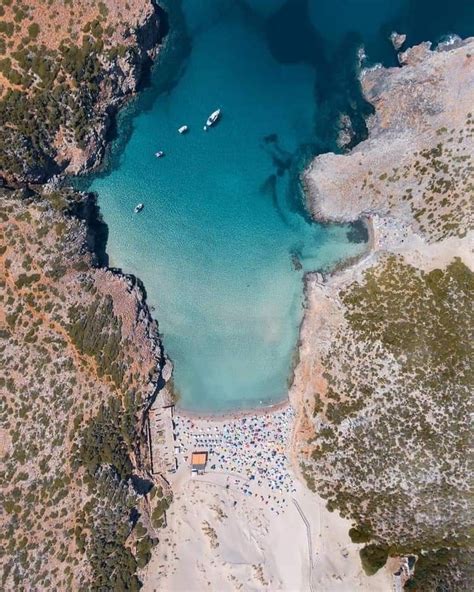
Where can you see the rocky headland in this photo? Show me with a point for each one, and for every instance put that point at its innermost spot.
(384, 381)
(82, 358)
(82, 361)
(70, 66)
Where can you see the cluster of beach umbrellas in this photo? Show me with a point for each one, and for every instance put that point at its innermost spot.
(252, 447)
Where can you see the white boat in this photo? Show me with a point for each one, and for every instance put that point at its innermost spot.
(213, 117)
(183, 129)
(138, 208)
(159, 154)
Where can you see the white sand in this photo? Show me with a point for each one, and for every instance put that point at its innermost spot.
(220, 539)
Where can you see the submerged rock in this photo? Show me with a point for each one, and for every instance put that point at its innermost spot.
(295, 261)
(346, 132)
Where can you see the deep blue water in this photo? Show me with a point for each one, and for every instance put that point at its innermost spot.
(224, 233)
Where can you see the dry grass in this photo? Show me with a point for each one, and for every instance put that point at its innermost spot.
(46, 24)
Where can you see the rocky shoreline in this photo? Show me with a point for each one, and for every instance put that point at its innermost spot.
(84, 328)
(88, 211)
(123, 79)
(422, 88)
(120, 72)
(81, 345)
(411, 178)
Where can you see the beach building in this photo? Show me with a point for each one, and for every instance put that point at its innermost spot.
(198, 462)
(404, 573)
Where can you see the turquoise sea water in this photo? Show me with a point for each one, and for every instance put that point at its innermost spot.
(223, 234)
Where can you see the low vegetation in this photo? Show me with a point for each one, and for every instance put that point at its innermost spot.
(435, 183)
(55, 64)
(79, 362)
(97, 332)
(78, 368)
(398, 400)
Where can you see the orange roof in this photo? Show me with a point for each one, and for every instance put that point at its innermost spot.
(199, 458)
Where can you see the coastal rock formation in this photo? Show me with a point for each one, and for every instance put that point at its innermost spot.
(384, 380)
(415, 163)
(397, 39)
(70, 67)
(82, 360)
(346, 132)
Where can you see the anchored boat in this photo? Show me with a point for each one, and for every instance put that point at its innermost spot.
(159, 154)
(183, 129)
(213, 117)
(138, 208)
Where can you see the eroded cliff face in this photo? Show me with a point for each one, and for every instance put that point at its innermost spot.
(81, 360)
(70, 67)
(384, 381)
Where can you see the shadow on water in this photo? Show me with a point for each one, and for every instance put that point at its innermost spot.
(281, 158)
(358, 232)
(163, 33)
(146, 79)
(286, 163)
(292, 39)
(269, 188)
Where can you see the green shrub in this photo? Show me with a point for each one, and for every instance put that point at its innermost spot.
(436, 570)
(33, 30)
(7, 27)
(102, 442)
(360, 535)
(373, 557)
(143, 551)
(157, 517)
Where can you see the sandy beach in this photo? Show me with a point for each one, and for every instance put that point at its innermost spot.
(249, 522)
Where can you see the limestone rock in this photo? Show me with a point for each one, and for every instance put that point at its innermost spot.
(397, 39)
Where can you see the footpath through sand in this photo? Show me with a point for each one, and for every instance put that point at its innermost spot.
(227, 531)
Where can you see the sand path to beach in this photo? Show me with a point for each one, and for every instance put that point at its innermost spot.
(226, 532)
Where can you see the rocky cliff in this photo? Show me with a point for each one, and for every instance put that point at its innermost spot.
(385, 377)
(415, 164)
(70, 66)
(82, 359)
(81, 355)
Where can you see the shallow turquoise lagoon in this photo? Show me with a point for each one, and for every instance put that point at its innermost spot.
(223, 240)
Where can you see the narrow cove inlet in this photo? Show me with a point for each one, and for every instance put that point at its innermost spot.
(237, 284)
(223, 240)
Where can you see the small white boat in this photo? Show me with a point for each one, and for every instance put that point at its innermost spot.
(159, 154)
(183, 129)
(138, 208)
(213, 117)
